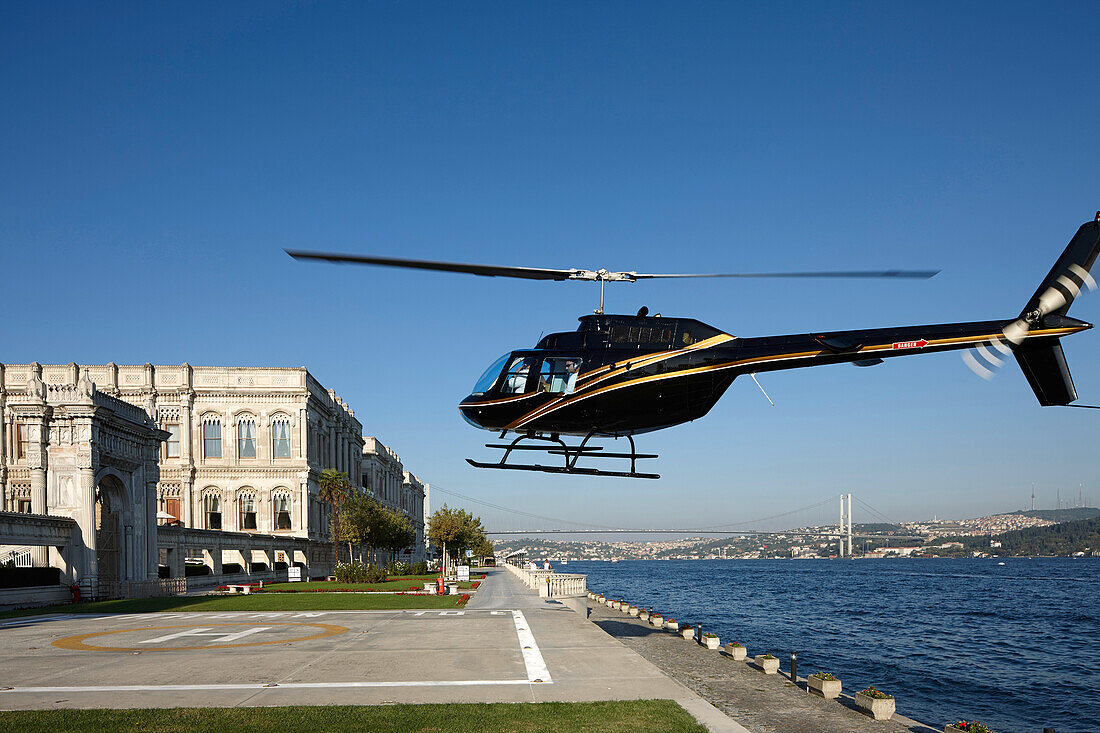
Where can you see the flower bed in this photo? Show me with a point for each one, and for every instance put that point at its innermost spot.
(967, 726)
(875, 703)
(824, 684)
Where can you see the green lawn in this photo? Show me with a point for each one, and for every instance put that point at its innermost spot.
(252, 602)
(399, 584)
(602, 717)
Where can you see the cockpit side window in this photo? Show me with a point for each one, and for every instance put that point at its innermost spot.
(518, 376)
(558, 375)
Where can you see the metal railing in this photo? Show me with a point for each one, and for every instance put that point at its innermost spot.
(159, 588)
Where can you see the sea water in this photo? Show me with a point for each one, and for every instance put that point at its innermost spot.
(1012, 642)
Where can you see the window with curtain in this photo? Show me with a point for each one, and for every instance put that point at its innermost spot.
(213, 508)
(247, 503)
(246, 437)
(280, 507)
(172, 446)
(24, 440)
(280, 438)
(212, 438)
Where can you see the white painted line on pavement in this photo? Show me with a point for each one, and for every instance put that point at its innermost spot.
(532, 657)
(260, 686)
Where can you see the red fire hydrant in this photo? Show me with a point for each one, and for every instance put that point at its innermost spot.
(75, 590)
(440, 586)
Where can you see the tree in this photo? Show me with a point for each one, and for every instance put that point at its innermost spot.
(357, 520)
(335, 489)
(397, 533)
(484, 548)
(455, 530)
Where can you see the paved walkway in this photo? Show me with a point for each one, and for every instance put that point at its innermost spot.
(761, 703)
(508, 645)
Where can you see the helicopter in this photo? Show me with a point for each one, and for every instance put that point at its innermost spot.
(617, 376)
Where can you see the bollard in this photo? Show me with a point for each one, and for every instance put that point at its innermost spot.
(794, 668)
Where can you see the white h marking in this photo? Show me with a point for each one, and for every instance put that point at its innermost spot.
(224, 638)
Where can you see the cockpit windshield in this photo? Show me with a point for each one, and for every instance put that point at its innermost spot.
(489, 378)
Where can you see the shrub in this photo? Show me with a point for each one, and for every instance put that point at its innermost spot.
(876, 694)
(418, 568)
(767, 656)
(374, 574)
(398, 568)
(709, 635)
(823, 676)
(736, 643)
(351, 572)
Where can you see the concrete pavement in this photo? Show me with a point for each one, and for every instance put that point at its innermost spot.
(508, 645)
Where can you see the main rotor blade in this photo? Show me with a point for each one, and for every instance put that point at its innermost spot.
(529, 273)
(914, 274)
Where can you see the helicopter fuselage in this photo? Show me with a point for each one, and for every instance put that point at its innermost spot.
(624, 375)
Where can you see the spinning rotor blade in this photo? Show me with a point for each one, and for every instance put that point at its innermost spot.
(538, 273)
(528, 273)
(914, 274)
(987, 357)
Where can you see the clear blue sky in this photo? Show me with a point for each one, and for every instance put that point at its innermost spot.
(157, 158)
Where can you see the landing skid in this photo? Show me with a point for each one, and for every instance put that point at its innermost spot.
(570, 455)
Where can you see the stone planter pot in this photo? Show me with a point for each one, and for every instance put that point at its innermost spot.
(829, 689)
(877, 708)
(712, 642)
(633, 610)
(768, 666)
(612, 604)
(430, 587)
(736, 651)
(673, 625)
(688, 633)
(657, 621)
(643, 615)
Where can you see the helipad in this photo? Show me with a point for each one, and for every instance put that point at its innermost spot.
(90, 661)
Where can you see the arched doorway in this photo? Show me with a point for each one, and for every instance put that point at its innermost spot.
(109, 498)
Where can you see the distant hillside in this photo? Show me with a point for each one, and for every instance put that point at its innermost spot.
(1062, 515)
(1064, 538)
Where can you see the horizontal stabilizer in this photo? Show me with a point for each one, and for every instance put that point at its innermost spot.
(1044, 365)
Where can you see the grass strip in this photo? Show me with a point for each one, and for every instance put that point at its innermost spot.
(251, 602)
(330, 585)
(605, 717)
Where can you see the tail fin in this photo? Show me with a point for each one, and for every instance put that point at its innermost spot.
(1070, 273)
(1042, 360)
(1046, 370)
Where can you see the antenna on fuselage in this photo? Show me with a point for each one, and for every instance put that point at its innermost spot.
(769, 399)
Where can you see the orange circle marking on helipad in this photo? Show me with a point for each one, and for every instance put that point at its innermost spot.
(77, 642)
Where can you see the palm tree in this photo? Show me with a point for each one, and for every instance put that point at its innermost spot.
(335, 488)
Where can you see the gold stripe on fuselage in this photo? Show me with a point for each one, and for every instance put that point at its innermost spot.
(621, 367)
(545, 410)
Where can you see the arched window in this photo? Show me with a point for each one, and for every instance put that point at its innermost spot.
(280, 437)
(280, 510)
(246, 505)
(212, 437)
(212, 505)
(246, 437)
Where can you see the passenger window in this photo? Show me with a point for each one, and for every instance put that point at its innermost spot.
(559, 375)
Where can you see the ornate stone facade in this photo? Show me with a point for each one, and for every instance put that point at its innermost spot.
(385, 479)
(243, 446)
(69, 450)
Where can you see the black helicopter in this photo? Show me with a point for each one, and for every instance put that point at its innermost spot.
(621, 375)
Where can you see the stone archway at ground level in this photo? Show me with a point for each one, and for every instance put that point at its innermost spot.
(110, 497)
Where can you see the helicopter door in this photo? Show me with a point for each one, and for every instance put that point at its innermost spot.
(558, 375)
(521, 376)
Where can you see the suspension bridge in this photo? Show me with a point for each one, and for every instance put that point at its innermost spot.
(812, 516)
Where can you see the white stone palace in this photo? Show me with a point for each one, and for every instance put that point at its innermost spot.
(240, 450)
